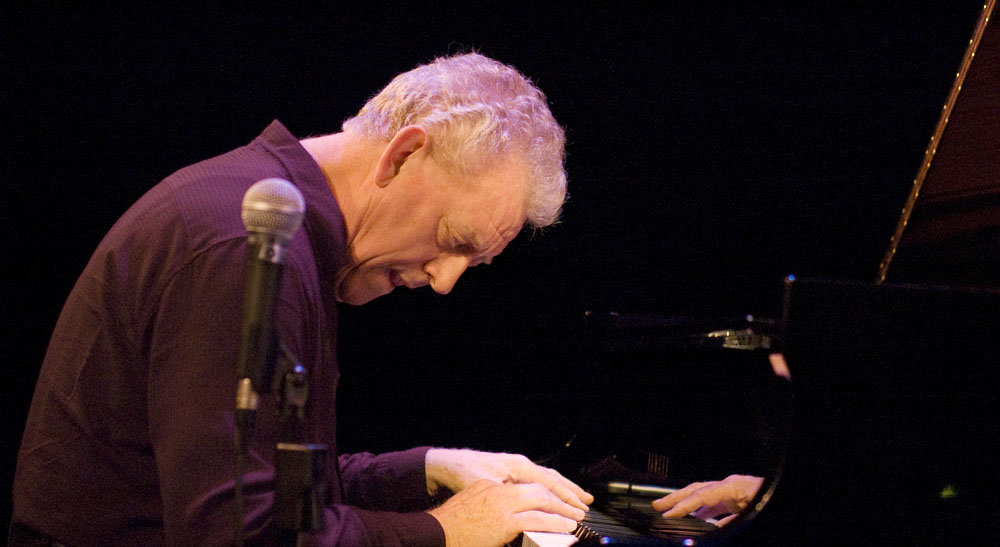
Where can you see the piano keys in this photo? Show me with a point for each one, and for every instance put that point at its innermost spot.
(626, 518)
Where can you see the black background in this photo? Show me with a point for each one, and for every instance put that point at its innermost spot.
(712, 149)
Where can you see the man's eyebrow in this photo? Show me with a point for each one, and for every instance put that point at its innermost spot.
(470, 240)
(475, 242)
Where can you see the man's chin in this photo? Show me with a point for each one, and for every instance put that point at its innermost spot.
(358, 297)
(359, 301)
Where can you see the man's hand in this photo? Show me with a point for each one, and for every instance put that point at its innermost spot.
(498, 496)
(457, 469)
(710, 499)
(488, 513)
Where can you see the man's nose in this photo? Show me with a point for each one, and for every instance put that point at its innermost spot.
(445, 271)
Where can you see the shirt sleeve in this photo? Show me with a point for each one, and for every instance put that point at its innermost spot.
(193, 347)
(394, 480)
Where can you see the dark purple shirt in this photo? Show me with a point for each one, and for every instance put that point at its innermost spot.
(129, 440)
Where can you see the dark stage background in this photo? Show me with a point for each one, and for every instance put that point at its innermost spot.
(712, 150)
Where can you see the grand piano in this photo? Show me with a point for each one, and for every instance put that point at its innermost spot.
(887, 432)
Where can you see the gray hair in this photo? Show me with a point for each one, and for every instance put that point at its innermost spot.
(478, 110)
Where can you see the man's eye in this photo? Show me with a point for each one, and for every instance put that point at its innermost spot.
(461, 246)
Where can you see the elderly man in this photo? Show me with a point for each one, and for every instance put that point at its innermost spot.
(129, 440)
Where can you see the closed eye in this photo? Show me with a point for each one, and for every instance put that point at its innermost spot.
(462, 245)
(458, 243)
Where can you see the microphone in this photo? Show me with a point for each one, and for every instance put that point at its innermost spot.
(272, 212)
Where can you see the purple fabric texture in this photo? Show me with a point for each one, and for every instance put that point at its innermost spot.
(129, 440)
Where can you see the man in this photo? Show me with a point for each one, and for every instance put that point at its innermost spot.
(130, 434)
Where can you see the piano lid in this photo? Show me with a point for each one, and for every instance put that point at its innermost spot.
(949, 232)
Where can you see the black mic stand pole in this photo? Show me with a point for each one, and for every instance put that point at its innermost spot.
(301, 491)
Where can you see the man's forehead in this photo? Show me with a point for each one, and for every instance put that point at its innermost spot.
(486, 231)
(494, 204)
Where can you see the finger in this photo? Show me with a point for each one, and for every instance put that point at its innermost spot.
(540, 521)
(566, 490)
(694, 501)
(725, 521)
(535, 497)
(582, 495)
(562, 487)
(668, 501)
(683, 508)
(711, 511)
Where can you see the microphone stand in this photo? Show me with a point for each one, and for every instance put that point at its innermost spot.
(301, 490)
(272, 211)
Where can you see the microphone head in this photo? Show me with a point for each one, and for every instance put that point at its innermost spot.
(273, 206)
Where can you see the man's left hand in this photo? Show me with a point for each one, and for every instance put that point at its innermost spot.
(456, 469)
(711, 499)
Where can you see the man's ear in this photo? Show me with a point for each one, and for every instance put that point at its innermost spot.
(406, 141)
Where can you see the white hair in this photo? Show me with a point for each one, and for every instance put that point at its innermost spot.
(478, 111)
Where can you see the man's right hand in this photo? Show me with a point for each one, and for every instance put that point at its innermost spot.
(490, 513)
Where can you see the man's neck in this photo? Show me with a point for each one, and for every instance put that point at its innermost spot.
(347, 162)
